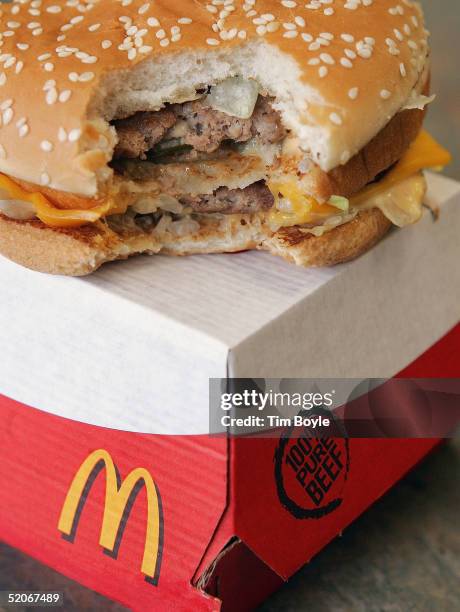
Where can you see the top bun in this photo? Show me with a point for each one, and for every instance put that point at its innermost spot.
(339, 70)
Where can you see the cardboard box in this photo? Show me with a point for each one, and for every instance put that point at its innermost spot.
(107, 472)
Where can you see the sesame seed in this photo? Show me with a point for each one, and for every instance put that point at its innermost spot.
(74, 135)
(327, 58)
(86, 76)
(6, 104)
(65, 95)
(353, 93)
(46, 146)
(23, 130)
(144, 8)
(336, 118)
(273, 26)
(346, 63)
(51, 96)
(7, 116)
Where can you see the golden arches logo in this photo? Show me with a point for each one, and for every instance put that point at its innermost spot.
(120, 496)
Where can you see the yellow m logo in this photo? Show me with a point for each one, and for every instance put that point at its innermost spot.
(119, 499)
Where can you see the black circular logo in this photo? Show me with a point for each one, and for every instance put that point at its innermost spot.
(310, 473)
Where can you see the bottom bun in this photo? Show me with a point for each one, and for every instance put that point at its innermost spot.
(341, 244)
(80, 251)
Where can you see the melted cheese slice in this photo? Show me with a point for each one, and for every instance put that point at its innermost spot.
(425, 152)
(45, 211)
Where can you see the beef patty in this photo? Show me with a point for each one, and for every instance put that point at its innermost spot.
(251, 199)
(202, 127)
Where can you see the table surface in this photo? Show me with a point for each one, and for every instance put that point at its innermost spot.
(404, 553)
(443, 18)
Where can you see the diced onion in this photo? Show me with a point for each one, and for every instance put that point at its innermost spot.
(234, 96)
(17, 209)
(184, 226)
(163, 224)
(149, 204)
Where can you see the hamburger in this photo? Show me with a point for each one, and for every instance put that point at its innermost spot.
(210, 126)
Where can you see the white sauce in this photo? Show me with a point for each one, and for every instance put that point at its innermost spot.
(402, 204)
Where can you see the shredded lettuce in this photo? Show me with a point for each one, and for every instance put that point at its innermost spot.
(340, 202)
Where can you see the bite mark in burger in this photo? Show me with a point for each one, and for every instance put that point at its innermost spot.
(196, 128)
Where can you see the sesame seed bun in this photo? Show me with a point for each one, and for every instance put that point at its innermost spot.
(338, 71)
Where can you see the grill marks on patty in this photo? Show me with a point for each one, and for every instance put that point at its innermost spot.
(251, 199)
(204, 128)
